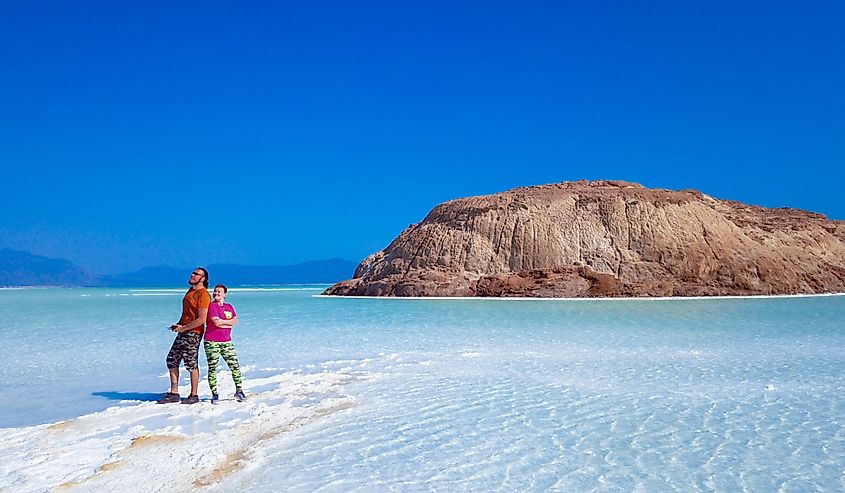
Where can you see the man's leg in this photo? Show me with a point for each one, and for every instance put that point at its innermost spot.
(195, 381)
(173, 359)
(191, 360)
(174, 380)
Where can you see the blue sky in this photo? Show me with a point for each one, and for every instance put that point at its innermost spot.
(179, 133)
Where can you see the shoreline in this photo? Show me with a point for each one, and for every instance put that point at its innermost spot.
(281, 287)
(617, 298)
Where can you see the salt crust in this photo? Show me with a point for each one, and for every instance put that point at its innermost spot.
(144, 446)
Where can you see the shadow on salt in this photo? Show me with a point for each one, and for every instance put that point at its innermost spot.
(128, 396)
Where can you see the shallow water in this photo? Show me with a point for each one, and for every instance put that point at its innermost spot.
(722, 394)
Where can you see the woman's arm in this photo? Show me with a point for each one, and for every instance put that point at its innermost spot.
(227, 323)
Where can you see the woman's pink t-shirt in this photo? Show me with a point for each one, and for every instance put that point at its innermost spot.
(219, 334)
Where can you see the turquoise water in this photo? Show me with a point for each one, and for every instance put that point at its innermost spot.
(480, 394)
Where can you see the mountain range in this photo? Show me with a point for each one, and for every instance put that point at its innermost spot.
(24, 269)
(19, 268)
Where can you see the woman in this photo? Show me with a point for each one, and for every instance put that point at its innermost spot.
(218, 342)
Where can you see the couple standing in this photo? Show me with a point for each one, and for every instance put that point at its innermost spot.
(197, 311)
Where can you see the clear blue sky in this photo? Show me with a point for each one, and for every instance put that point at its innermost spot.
(178, 133)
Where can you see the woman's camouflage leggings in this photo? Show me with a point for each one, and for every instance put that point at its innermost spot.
(213, 351)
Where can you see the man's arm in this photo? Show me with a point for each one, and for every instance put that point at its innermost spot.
(200, 320)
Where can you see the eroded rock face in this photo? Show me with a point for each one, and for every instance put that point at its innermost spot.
(605, 238)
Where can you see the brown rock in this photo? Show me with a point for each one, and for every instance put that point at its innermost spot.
(605, 238)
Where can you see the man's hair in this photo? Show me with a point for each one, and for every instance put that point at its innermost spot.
(225, 289)
(204, 275)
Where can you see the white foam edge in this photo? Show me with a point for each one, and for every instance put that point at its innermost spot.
(230, 290)
(632, 298)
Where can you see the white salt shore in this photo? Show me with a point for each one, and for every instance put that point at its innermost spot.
(167, 447)
(600, 299)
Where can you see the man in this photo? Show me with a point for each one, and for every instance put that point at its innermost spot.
(188, 337)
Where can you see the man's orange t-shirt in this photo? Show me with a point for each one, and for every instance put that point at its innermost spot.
(192, 302)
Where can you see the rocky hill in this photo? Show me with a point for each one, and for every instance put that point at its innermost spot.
(606, 238)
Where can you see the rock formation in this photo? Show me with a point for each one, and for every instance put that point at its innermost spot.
(606, 238)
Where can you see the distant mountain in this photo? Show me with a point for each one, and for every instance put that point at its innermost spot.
(25, 269)
(314, 272)
(146, 277)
